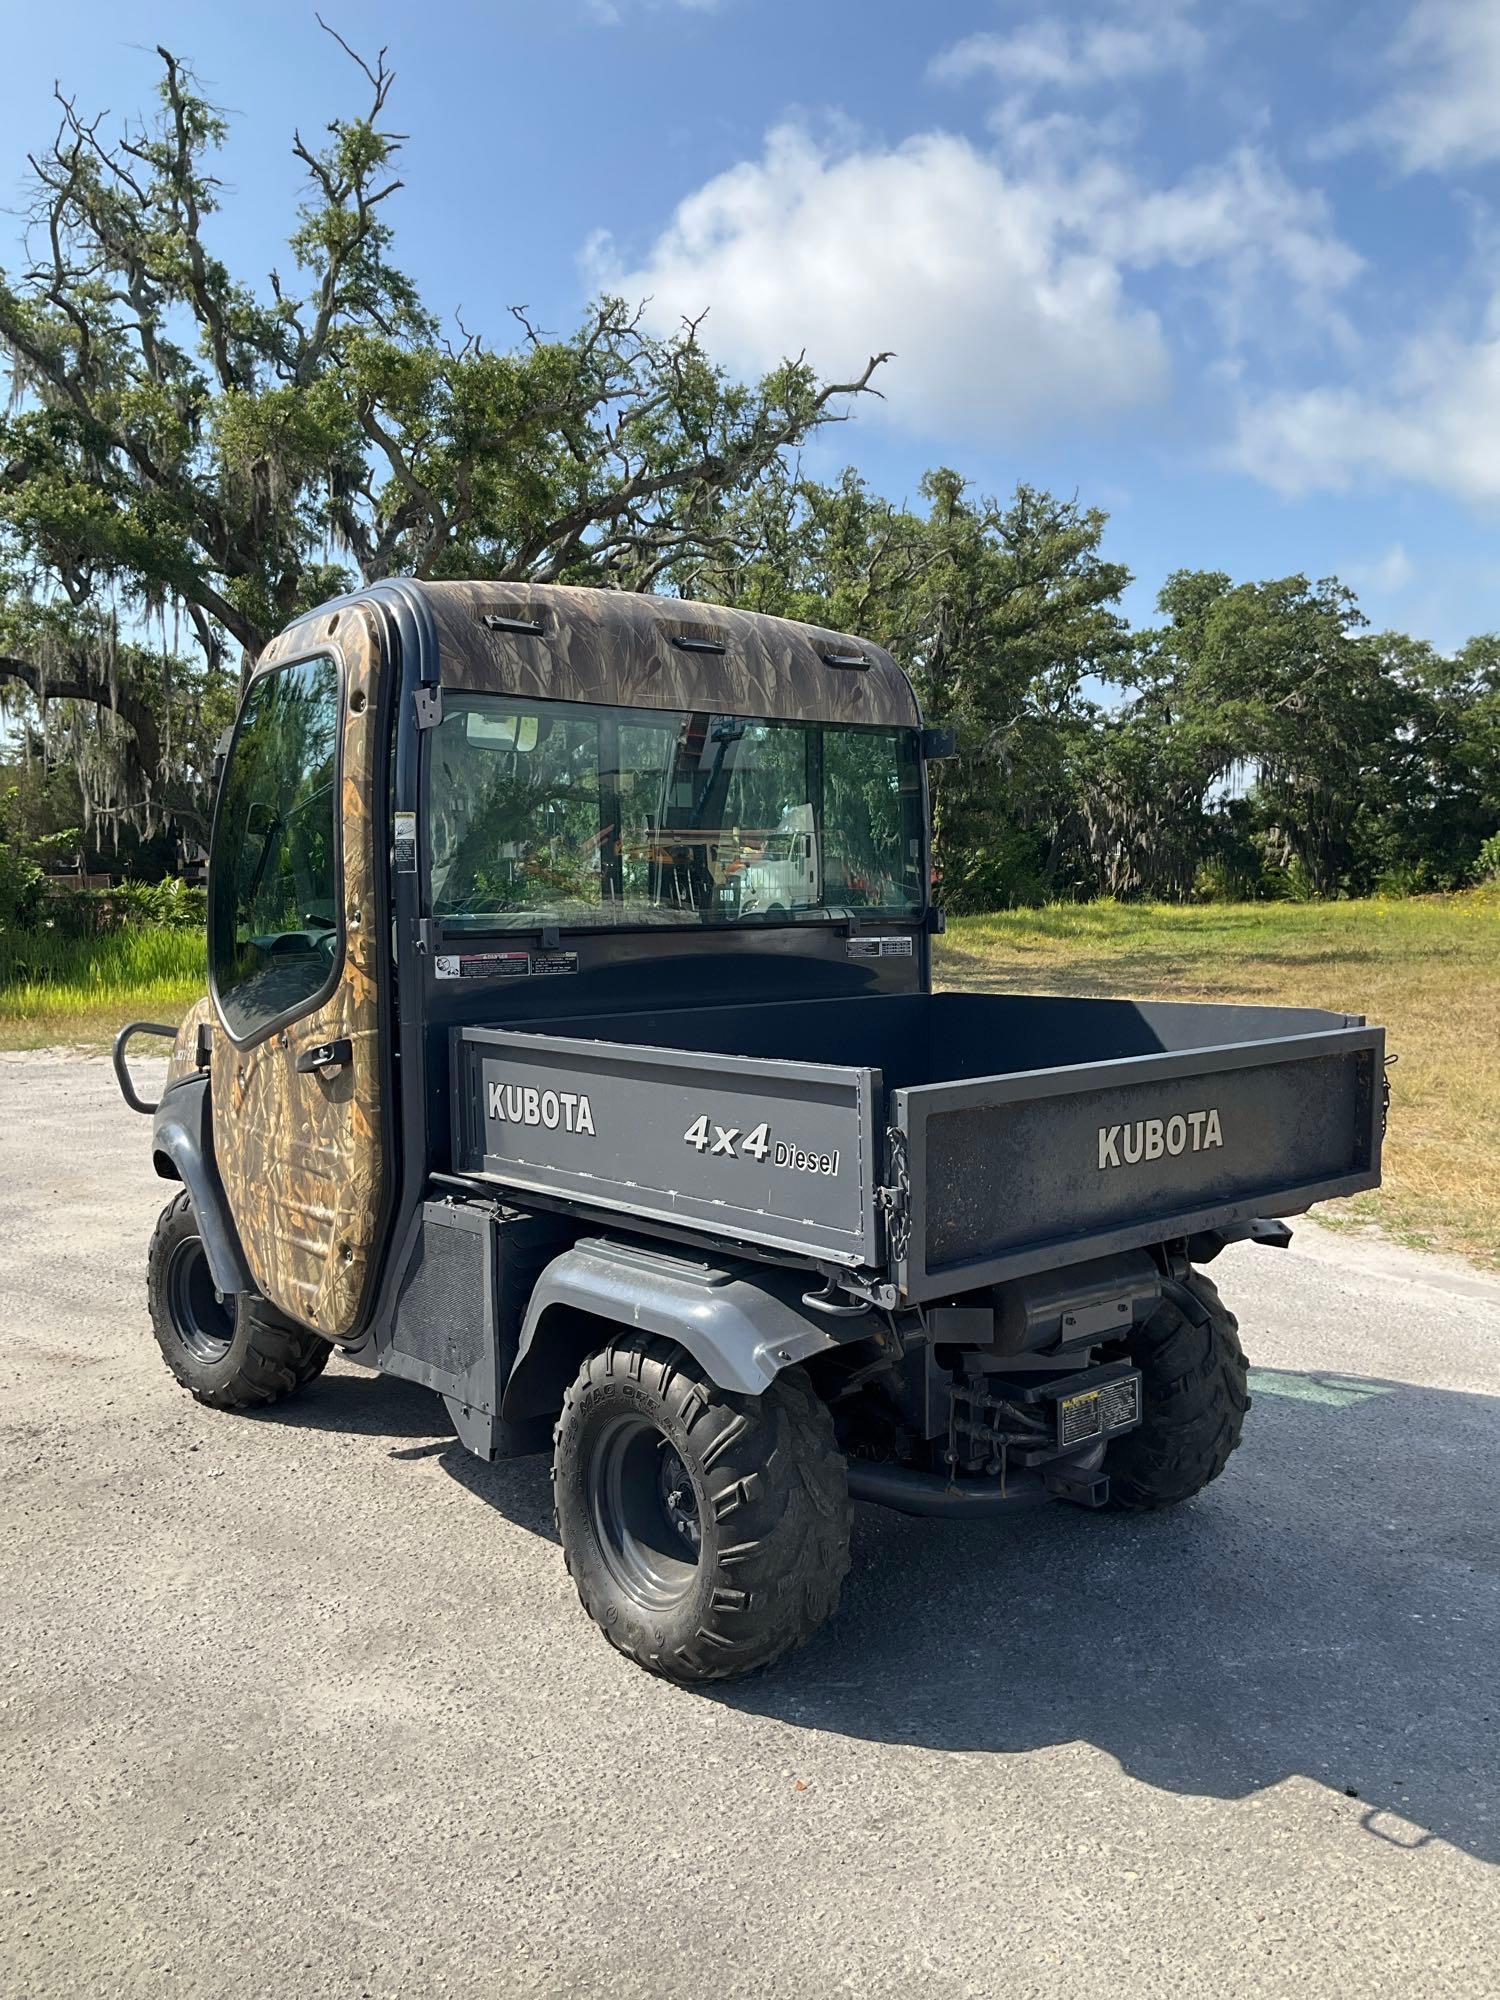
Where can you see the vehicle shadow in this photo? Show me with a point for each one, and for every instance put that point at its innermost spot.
(362, 1404)
(518, 1488)
(1330, 1609)
(416, 1425)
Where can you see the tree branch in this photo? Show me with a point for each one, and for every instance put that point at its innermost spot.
(80, 684)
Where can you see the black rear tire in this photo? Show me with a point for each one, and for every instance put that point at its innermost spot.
(1194, 1398)
(233, 1353)
(707, 1533)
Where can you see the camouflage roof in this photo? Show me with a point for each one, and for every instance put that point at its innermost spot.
(617, 647)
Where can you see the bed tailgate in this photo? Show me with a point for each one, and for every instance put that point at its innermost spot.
(780, 1154)
(996, 1177)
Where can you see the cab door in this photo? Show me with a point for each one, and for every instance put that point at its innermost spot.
(296, 963)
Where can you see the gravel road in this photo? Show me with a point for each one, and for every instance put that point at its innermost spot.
(304, 1704)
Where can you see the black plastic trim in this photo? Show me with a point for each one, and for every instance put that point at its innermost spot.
(930, 1495)
(411, 661)
(183, 1133)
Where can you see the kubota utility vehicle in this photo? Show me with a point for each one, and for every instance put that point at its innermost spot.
(571, 1049)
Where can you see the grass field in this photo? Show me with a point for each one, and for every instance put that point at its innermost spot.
(1428, 968)
(80, 990)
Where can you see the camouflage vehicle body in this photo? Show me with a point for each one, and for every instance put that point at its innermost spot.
(930, 1250)
(643, 652)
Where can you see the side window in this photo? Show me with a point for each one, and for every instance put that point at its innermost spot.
(274, 916)
(872, 815)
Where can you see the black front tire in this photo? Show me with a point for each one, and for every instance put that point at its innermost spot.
(707, 1533)
(233, 1353)
(1194, 1398)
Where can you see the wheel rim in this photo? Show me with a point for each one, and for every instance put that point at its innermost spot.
(645, 1512)
(203, 1322)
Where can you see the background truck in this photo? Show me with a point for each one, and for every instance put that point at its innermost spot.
(571, 1049)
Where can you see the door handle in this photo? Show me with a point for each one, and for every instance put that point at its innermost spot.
(325, 1056)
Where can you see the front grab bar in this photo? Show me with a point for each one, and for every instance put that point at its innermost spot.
(122, 1073)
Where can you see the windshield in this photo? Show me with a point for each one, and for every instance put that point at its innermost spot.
(563, 812)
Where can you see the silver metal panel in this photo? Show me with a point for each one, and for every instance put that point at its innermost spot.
(780, 1154)
(1021, 1173)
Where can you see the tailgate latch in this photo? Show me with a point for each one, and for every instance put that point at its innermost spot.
(893, 1204)
(893, 1201)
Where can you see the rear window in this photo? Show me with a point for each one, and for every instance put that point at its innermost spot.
(580, 815)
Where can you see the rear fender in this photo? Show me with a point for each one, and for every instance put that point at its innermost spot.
(740, 1323)
(182, 1150)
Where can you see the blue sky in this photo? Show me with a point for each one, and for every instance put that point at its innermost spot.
(1230, 271)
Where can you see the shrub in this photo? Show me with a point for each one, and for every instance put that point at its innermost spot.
(170, 905)
(1487, 867)
(1404, 878)
(1229, 879)
(20, 886)
(1290, 882)
(20, 878)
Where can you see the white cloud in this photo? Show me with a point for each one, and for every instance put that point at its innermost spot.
(1241, 204)
(1438, 425)
(1445, 110)
(1431, 415)
(1002, 287)
(1096, 58)
(1051, 54)
(1385, 574)
(927, 249)
(610, 13)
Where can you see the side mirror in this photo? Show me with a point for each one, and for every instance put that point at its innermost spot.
(938, 744)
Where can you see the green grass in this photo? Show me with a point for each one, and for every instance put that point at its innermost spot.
(1428, 968)
(80, 990)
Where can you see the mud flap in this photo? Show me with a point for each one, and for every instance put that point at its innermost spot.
(467, 1271)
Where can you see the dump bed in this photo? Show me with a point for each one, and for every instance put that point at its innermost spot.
(780, 1155)
(948, 1140)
